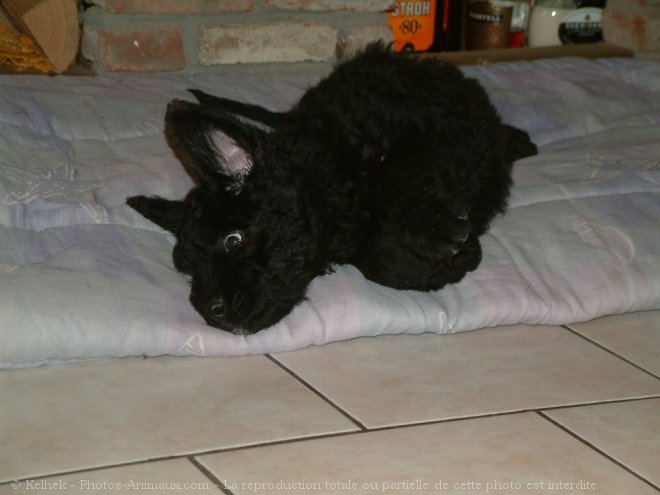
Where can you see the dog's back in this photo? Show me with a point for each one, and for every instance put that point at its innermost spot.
(428, 156)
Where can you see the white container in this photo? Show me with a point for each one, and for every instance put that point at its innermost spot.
(545, 20)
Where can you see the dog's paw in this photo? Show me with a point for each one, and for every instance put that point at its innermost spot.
(453, 231)
(446, 229)
(137, 202)
(461, 227)
(452, 269)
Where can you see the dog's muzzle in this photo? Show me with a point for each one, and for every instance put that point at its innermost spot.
(214, 314)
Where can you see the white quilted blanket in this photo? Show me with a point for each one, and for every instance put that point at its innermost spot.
(82, 276)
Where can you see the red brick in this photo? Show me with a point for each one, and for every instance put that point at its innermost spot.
(145, 50)
(173, 6)
(332, 5)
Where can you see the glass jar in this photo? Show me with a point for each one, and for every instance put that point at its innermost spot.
(545, 20)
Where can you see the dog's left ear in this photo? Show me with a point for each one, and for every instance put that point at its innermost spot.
(215, 148)
(165, 213)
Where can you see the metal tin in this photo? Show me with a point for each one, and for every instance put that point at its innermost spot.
(487, 25)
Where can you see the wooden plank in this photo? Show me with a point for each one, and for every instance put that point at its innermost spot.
(481, 57)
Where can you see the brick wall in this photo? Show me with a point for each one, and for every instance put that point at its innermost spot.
(211, 35)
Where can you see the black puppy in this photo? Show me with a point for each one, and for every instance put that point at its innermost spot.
(393, 164)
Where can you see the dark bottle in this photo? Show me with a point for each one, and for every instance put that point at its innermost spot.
(449, 25)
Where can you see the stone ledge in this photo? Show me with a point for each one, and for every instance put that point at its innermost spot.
(266, 42)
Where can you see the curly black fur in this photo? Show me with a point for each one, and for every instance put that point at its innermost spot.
(393, 164)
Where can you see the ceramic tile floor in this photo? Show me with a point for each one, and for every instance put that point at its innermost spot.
(506, 410)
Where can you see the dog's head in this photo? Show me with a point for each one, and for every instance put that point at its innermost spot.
(242, 235)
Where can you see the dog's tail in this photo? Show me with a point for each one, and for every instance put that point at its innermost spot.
(247, 110)
(518, 144)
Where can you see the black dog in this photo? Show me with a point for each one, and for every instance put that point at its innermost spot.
(393, 164)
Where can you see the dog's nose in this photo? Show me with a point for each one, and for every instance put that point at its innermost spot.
(214, 314)
(215, 308)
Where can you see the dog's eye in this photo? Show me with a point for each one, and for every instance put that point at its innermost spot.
(233, 241)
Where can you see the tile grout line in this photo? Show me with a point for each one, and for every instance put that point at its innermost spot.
(376, 429)
(504, 413)
(317, 393)
(595, 449)
(596, 403)
(221, 486)
(177, 457)
(105, 467)
(610, 351)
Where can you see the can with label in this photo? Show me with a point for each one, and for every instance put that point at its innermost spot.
(413, 24)
(487, 24)
(581, 26)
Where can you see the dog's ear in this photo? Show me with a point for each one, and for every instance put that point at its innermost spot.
(215, 148)
(165, 213)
